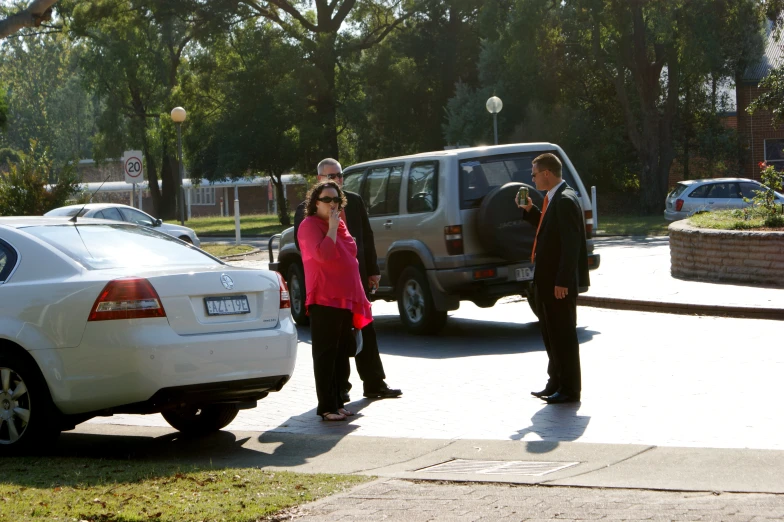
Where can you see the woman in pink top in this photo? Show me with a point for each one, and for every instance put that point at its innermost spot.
(335, 298)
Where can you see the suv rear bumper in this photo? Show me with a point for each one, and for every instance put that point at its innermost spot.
(461, 282)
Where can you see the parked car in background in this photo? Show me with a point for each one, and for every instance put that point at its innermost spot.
(118, 212)
(99, 317)
(446, 229)
(705, 195)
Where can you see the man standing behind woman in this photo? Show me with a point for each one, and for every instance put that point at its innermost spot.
(561, 267)
(335, 297)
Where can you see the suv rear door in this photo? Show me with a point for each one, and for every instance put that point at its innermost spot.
(482, 174)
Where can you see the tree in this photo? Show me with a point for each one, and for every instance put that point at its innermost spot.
(246, 90)
(643, 48)
(23, 189)
(46, 99)
(132, 59)
(38, 12)
(333, 32)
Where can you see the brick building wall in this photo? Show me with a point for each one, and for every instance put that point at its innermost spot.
(753, 130)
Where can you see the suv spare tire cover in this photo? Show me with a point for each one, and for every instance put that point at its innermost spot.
(501, 228)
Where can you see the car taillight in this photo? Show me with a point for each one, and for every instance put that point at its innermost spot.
(127, 298)
(678, 204)
(285, 298)
(454, 240)
(588, 224)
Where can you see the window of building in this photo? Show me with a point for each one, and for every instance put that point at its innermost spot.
(203, 196)
(774, 153)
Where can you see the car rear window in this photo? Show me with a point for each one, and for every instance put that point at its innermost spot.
(99, 247)
(478, 176)
(678, 190)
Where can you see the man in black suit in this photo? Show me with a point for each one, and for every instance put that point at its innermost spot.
(560, 254)
(368, 360)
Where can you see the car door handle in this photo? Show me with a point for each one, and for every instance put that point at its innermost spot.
(388, 224)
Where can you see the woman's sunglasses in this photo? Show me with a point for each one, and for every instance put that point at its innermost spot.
(327, 199)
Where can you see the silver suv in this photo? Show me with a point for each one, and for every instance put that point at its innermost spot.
(446, 229)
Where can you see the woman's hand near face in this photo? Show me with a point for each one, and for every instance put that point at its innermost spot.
(334, 222)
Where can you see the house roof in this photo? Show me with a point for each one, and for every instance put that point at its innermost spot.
(771, 59)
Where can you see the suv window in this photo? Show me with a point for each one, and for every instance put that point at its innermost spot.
(735, 191)
(352, 180)
(134, 216)
(423, 187)
(479, 176)
(7, 260)
(381, 190)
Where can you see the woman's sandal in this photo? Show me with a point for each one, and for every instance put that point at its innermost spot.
(333, 416)
(345, 412)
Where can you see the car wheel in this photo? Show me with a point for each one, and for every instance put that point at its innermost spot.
(193, 420)
(28, 419)
(296, 283)
(186, 239)
(529, 296)
(415, 303)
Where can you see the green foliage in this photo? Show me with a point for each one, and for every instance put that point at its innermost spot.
(765, 199)
(23, 189)
(46, 100)
(750, 218)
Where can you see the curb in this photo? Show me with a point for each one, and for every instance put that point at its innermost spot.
(681, 308)
(238, 257)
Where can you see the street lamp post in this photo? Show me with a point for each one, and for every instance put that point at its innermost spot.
(494, 106)
(178, 116)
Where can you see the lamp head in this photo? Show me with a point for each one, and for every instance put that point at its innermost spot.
(494, 105)
(178, 115)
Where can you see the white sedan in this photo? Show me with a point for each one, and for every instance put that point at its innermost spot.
(118, 212)
(99, 317)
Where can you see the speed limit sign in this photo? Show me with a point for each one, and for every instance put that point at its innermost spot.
(133, 166)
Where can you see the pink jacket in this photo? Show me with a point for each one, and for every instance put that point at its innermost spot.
(331, 269)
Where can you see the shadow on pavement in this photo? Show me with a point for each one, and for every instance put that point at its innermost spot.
(630, 241)
(554, 423)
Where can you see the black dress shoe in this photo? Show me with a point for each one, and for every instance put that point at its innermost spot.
(561, 398)
(544, 393)
(382, 391)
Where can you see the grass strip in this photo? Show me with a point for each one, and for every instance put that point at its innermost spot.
(736, 219)
(250, 225)
(632, 226)
(218, 249)
(56, 489)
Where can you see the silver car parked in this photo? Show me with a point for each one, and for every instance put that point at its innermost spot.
(691, 196)
(119, 212)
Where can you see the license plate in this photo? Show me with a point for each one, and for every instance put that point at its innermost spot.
(524, 274)
(227, 305)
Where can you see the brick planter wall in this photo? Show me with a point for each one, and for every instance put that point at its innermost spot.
(727, 256)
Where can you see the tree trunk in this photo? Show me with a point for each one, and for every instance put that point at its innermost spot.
(170, 185)
(325, 103)
(283, 207)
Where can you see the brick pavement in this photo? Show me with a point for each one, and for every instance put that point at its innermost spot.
(657, 379)
(400, 500)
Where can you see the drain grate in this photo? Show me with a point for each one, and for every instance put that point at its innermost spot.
(498, 467)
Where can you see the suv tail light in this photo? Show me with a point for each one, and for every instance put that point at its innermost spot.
(678, 204)
(127, 298)
(285, 298)
(588, 225)
(454, 240)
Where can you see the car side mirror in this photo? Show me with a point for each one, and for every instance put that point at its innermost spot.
(158, 222)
